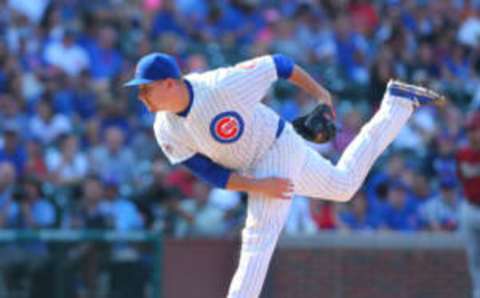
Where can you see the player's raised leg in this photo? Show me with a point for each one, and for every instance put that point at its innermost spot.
(320, 179)
(265, 218)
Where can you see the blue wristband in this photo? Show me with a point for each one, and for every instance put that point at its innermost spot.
(284, 65)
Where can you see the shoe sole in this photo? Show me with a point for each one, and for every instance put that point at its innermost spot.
(434, 97)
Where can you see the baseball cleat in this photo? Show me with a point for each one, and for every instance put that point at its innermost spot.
(418, 95)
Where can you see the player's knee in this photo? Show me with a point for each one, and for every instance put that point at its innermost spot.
(347, 187)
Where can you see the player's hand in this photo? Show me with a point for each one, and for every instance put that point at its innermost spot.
(329, 102)
(275, 188)
(327, 98)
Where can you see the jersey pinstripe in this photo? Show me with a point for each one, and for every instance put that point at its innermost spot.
(227, 121)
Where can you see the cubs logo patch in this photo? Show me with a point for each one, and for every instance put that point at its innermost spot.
(227, 127)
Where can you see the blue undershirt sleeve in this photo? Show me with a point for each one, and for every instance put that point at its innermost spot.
(284, 65)
(204, 168)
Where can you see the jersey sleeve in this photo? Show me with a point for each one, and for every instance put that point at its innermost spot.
(248, 82)
(204, 168)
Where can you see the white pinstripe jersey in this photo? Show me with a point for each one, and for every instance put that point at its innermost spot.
(227, 121)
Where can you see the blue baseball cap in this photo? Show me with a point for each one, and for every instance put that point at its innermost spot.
(154, 67)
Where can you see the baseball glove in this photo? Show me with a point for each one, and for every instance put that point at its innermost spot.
(318, 126)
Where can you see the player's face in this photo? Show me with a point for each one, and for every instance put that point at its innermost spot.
(156, 96)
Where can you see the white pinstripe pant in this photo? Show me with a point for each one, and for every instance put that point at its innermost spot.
(313, 176)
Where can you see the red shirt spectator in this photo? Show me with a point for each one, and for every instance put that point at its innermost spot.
(323, 214)
(468, 159)
(183, 180)
(364, 16)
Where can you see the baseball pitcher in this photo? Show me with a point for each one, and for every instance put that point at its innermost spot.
(216, 125)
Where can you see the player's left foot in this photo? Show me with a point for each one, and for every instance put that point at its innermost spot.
(418, 95)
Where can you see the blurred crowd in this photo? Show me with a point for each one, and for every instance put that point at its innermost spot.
(77, 150)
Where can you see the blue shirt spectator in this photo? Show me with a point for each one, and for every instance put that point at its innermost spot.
(166, 20)
(85, 99)
(29, 210)
(105, 59)
(356, 215)
(124, 213)
(400, 212)
(12, 150)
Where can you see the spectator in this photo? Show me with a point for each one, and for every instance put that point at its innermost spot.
(424, 66)
(468, 160)
(33, 11)
(159, 201)
(323, 214)
(284, 43)
(469, 31)
(30, 210)
(420, 188)
(377, 185)
(106, 61)
(113, 159)
(183, 180)
(88, 212)
(441, 213)
(35, 164)
(47, 126)
(7, 182)
(206, 219)
(67, 166)
(233, 204)
(84, 97)
(351, 50)
(381, 70)
(66, 55)
(224, 199)
(123, 213)
(91, 134)
(11, 115)
(144, 144)
(167, 20)
(400, 212)
(441, 162)
(13, 150)
(356, 215)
